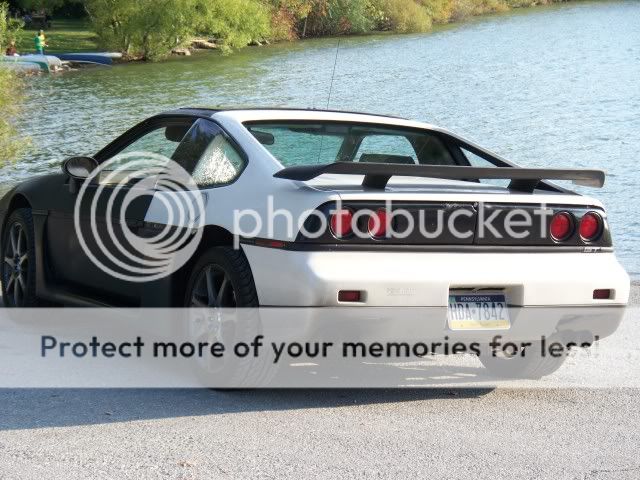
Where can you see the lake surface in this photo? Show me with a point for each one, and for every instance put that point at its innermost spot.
(554, 86)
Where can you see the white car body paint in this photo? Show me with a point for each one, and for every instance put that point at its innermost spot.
(313, 278)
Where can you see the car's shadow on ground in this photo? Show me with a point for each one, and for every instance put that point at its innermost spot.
(41, 408)
(44, 407)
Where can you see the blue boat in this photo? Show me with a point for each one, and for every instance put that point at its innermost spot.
(92, 58)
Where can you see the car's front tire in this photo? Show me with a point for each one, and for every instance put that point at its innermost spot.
(19, 260)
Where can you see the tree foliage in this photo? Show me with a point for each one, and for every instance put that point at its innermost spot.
(151, 28)
(10, 94)
(145, 28)
(403, 16)
(300, 18)
(235, 22)
(9, 27)
(37, 5)
(11, 144)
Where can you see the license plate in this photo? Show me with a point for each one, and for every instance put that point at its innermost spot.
(478, 312)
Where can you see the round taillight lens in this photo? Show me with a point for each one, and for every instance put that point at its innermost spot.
(378, 223)
(561, 226)
(341, 222)
(590, 226)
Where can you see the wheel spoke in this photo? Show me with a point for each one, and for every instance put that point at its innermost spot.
(196, 302)
(23, 259)
(10, 282)
(22, 282)
(16, 294)
(9, 261)
(19, 250)
(221, 292)
(211, 288)
(12, 237)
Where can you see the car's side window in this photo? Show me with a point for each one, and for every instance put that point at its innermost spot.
(208, 156)
(298, 146)
(152, 148)
(199, 147)
(219, 164)
(478, 161)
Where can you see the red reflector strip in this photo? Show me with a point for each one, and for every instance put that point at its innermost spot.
(270, 243)
(349, 296)
(602, 294)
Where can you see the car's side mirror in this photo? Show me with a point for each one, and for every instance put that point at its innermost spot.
(78, 169)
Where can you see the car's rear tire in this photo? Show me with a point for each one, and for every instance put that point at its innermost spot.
(223, 264)
(221, 279)
(527, 363)
(18, 273)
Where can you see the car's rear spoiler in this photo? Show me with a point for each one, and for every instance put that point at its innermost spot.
(377, 175)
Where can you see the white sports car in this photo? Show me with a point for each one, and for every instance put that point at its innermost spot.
(308, 208)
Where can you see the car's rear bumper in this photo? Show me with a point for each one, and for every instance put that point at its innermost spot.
(550, 294)
(313, 278)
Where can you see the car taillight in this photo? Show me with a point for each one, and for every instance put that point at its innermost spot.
(340, 222)
(590, 226)
(350, 296)
(602, 294)
(561, 226)
(378, 223)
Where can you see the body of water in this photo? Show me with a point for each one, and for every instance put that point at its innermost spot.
(545, 87)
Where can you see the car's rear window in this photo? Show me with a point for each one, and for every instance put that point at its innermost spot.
(308, 143)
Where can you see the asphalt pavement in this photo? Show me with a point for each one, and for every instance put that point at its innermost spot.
(591, 433)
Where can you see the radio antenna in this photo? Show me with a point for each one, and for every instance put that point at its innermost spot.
(333, 74)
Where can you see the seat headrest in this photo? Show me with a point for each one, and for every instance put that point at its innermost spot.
(384, 158)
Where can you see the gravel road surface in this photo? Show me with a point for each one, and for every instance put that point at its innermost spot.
(506, 433)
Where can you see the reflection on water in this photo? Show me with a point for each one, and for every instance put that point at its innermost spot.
(546, 87)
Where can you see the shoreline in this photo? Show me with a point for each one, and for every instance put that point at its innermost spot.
(78, 35)
(435, 28)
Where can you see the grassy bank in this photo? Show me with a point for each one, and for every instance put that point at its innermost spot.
(64, 36)
(278, 22)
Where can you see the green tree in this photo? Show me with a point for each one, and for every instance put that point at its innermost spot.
(402, 16)
(11, 144)
(150, 29)
(288, 18)
(9, 27)
(37, 5)
(147, 29)
(10, 95)
(235, 22)
(337, 17)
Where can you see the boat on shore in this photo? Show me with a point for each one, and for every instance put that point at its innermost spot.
(90, 58)
(33, 63)
(46, 63)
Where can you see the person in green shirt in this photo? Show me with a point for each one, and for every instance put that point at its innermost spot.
(40, 42)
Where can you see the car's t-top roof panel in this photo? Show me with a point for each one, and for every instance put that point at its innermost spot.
(281, 114)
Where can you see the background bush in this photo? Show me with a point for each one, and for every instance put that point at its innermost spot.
(11, 144)
(149, 29)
